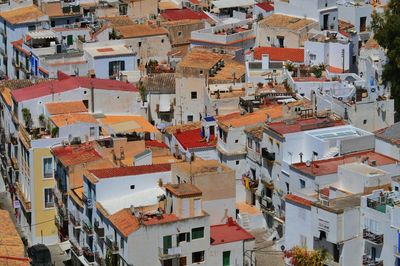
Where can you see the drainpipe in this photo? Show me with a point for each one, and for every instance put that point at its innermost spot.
(92, 99)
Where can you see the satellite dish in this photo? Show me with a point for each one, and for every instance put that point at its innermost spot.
(308, 163)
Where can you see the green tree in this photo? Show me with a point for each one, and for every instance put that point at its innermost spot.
(386, 27)
(302, 257)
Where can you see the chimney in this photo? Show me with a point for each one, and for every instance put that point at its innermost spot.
(265, 62)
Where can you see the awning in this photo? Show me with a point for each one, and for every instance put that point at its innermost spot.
(165, 105)
(124, 127)
(232, 3)
(66, 245)
(42, 34)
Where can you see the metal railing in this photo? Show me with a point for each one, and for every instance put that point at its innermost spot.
(372, 237)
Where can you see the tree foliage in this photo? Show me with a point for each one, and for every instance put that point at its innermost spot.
(301, 257)
(386, 28)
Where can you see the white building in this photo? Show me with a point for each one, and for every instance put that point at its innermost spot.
(387, 141)
(325, 12)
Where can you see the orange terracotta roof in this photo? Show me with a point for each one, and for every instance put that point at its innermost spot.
(286, 22)
(6, 94)
(200, 58)
(299, 200)
(11, 246)
(371, 44)
(66, 107)
(76, 154)
(69, 119)
(282, 127)
(130, 170)
(43, 70)
(280, 54)
(140, 121)
(54, 10)
(166, 218)
(125, 222)
(336, 70)
(330, 166)
(139, 30)
(259, 116)
(18, 45)
(183, 190)
(22, 15)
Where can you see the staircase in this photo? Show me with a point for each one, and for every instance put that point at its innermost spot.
(244, 220)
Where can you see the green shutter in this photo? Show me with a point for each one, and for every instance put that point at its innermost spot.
(70, 40)
(226, 258)
(197, 232)
(167, 243)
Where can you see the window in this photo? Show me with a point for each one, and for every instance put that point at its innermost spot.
(268, 39)
(48, 198)
(162, 40)
(198, 257)
(53, 23)
(258, 147)
(237, 162)
(236, 141)
(115, 67)
(250, 143)
(70, 40)
(140, 44)
(365, 121)
(363, 24)
(190, 118)
(302, 183)
(123, 10)
(194, 95)
(303, 241)
(281, 41)
(33, 27)
(91, 131)
(287, 187)
(47, 167)
(132, 186)
(183, 237)
(313, 57)
(226, 258)
(197, 233)
(179, 33)
(396, 188)
(167, 244)
(121, 242)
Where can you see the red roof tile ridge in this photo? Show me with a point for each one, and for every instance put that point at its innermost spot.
(130, 170)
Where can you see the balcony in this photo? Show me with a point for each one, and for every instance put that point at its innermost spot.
(112, 245)
(88, 201)
(87, 228)
(270, 156)
(25, 68)
(76, 222)
(250, 184)
(21, 196)
(169, 253)
(369, 261)
(99, 231)
(15, 63)
(88, 254)
(372, 237)
(99, 260)
(76, 248)
(396, 251)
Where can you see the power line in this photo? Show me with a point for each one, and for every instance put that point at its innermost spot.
(52, 220)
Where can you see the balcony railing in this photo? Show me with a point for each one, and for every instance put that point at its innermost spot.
(169, 253)
(88, 201)
(112, 245)
(15, 63)
(88, 254)
(21, 196)
(270, 156)
(372, 237)
(396, 251)
(369, 261)
(99, 231)
(87, 228)
(76, 222)
(25, 68)
(75, 247)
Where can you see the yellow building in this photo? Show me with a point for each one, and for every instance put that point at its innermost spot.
(35, 192)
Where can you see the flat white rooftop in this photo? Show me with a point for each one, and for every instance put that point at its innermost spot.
(106, 51)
